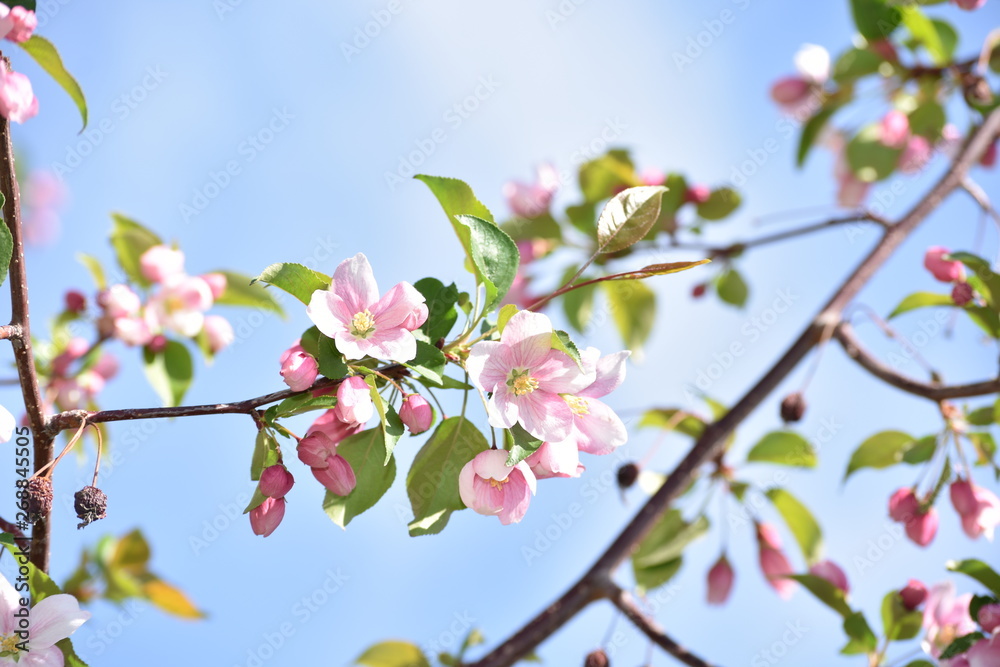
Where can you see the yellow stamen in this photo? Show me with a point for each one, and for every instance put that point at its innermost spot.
(578, 405)
(363, 324)
(521, 382)
(498, 483)
(8, 644)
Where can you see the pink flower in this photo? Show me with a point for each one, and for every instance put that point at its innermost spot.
(53, 619)
(915, 156)
(416, 413)
(970, 5)
(851, 191)
(895, 129)
(17, 23)
(720, 581)
(697, 194)
(132, 331)
(352, 313)
(334, 429)
(530, 201)
(489, 486)
(830, 571)
(526, 378)
(556, 459)
(119, 301)
(41, 199)
(180, 306)
(265, 517)
(161, 263)
(773, 562)
(17, 101)
(276, 481)
(216, 282)
(596, 428)
(913, 594)
(652, 176)
(318, 451)
(519, 293)
(354, 401)
(921, 527)
(298, 369)
(989, 617)
(946, 618)
(978, 507)
(106, 366)
(947, 271)
(984, 653)
(219, 333)
(75, 348)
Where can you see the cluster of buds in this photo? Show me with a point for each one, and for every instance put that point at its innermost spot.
(949, 271)
(17, 99)
(977, 507)
(275, 483)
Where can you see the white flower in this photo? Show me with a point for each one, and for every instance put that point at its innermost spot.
(51, 620)
(813, 63)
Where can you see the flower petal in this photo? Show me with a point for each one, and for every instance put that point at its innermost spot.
(529, 336)
(41, 657)
(502, 408)
(398, 304)
(354, 282)
(560, 374)
(393, 344)
(489, 364)
(545, 416)
(54, 618)
(600, 431)
(328, 312)
(492, 464)
(610, 373)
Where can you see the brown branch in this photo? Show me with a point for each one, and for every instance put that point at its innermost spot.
(19, 332)
(649, 627)
(845, 335)
(712, 439)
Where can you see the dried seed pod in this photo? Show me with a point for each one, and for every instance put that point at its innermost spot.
(793, 407)
(90, 504)
(596, 658)
(627, 474)
(39, 497)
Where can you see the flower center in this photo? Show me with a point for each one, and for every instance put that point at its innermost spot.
(10, 645)
(363, 324)
(522, 383)
(946, 635)
(498, 483)
(578, 405)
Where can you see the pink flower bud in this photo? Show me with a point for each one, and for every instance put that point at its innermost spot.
(416, 413)
(18, 23)
(895, 129)
(76, 348)
(555, 459)
(298, 369)
(217, 282)
(488, 486)
(962, 293)
(354, 401)
(947, 271)
(158, 343)
(776, 567)
(791, 91)
(767, 535)
(161, 262)
(334, 429)
(106, 366)
(914, 594)
(720, 581)
(989, 617)
(830, 571)
(76, 302)
(904, 507)
(697, 194)
(17, 100)
(530, 201)
(219, 332)
(699, 290)
(276, 481)
(970, 5)
(338, 476)
(989, 157)
(978, 507)
(119, 301)
(265, 517)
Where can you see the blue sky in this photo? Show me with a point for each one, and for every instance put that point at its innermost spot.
(180, 92)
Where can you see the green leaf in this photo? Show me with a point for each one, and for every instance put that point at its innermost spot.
(979, 571)
(561, 341)
(495, 256)
(542, 226)
(46, 55)
(981, 416)
(40, 585)
(657, 270)
(875, 19)
(70, 658)
(457, 198)
(432, 482)
(93, 265)
(961, 645)
(297, 405)
(524, 445)
(429, 362)
(265, 453)
(604, 176)
(650, 578)
(921, 300)
(898, 622)
(633, 308)
(811, 131)
(169, 372)
(861, 637)
(869, 158)
(296, 279)
(920, 663)
(658, 557)
(392, 426)
(984, 280)
(921, 451)
(240, 291)
(880, 451)
(720, 204)
(933, 35)
(784, 448)
(329, 359)
(628, 217)
(732, 288)
(365, 452)
(393, 654)
(578, 306)
(6, 248)
(985, 446)
(800, 521)
(856, 63)
(690, 425)
(507, 312)
(441, 312)
(928, 120)
(825, 592)
(130, 240)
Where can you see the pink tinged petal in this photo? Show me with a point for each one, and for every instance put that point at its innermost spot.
(985, 652)
(560, 375)
(9, 604)
(989, 617)
(720, 581)
(476, 493)
(54, 618)
(266, 517)
(41, 657)
(529, 477)
(903, 505)
(338, 476)
(354, 401)
(17, 100)
(489, 364)
(397, 306)
(923, 527)
(914, 594)
(352, 347)
(775, 567)
(556, 459)
(161, 262)
(492, 464)
(335, 430)
(396, 344)
(946, 271)
(545, 416)
(516, 498)
(502, 408)
(600, 431)
(416, 413)
(610, 374)
(832, 572)
(767, 536)
(329, 313)
(315, 448)
(299, 371)
(416, 318)
(530, 337)
(354, 282)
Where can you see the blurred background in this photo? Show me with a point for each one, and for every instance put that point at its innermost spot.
(320, 119)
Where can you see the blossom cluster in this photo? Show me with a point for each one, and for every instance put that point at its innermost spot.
(17, 100)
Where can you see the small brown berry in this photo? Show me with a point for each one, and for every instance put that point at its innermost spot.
(627, 474)
(793, 407)
(597, 658)
(39, 498)
(90, 504)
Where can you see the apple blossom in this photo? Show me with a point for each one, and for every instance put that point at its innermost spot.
(979, 508)
(596, 428)
(832, 572)
(318, 451)
(487, 485)
(276, 481)
(354, 401)
(921, 526)
(180, 305)
(793, 94)
(298, 369)
(530, 201)
(119, 301)
(652, 176)
(914, 594)
(161, 263)
(75, 348)
(947, 271)
(962, 293)
(329, 425)
(17, 100)
(53, 619)
(697, 194)
(217, 282)
(264, 518)
(526, 378)
(946, 617)
(556, 459)
(989, 617)
(985, 652)
(416, 413)
(219, 332)
(895, 129)
(720, 581)
(17, 23)
(361, 323)
(132, 331)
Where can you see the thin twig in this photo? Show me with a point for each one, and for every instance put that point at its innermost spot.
(649, 627)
